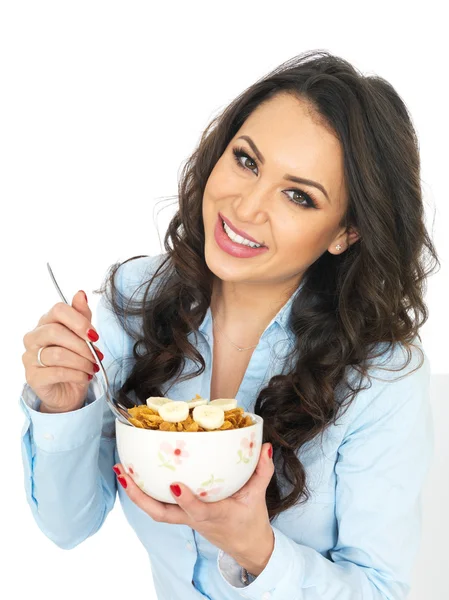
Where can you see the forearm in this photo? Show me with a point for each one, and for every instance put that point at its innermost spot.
(255, 558)
(69, 481)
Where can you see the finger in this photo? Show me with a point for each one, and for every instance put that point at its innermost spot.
(258, 483)
(72, 319)
(58, 356)
(158, 511)
(56, 334)
(80, 303)
(37, 376)
(198, 510)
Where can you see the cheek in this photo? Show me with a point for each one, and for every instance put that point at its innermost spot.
(302, 235)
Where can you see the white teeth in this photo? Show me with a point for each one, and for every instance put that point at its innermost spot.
(238, 238)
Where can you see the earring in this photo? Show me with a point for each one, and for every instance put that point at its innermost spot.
(338, 247)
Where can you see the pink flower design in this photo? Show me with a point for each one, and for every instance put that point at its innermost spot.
(202, 493)
(177, 452)
(129, 468)
(208, 488)
(248, 444)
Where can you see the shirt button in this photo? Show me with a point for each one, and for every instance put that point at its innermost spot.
(48, 436)
(189, 546)
(266, 596)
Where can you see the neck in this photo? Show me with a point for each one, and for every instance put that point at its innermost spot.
(248, 307)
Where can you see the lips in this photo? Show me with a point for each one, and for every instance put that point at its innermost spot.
(239, 231)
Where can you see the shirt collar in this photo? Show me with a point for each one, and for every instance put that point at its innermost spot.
(282, 318)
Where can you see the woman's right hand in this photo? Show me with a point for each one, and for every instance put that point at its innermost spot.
(62, 386)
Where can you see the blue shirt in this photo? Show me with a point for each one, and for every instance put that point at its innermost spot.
(356, 538)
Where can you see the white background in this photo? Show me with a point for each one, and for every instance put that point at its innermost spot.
(100, 104)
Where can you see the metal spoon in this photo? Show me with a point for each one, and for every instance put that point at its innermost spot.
(119, 411)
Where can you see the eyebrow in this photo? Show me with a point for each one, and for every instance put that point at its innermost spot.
(260, 157)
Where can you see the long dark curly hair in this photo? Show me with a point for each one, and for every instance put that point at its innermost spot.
(369, 294)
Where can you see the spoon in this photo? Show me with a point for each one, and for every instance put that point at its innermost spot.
(119, 411)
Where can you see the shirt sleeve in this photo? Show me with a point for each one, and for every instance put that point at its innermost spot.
(68, 457)
(381, 467)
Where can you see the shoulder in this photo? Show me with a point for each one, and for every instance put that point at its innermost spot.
(135, 272)
(397, 384)
(130, 279)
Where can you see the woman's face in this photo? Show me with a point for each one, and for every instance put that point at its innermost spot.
(297, 222)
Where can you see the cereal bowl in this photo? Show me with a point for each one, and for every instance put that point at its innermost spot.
(213, 464)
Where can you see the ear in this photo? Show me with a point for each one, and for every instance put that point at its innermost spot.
(346, 238)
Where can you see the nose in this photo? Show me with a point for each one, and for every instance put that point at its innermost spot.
(251, 206)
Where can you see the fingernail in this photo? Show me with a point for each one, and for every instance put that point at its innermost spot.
(84, 295)
(176, 489)
(122, 481)
(90, 376)
(93, 335)
(96, 368)
(270, 452)
(116, 470)
(99, 354)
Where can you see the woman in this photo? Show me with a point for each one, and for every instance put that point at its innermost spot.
(314, 327)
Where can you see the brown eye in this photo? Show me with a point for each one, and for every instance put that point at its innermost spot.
(239, 154)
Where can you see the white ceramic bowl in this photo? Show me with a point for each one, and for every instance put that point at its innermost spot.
(213, 464)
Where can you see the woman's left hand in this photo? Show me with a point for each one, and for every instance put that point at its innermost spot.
(238, 525)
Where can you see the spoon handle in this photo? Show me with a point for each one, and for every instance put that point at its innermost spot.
(116, 410)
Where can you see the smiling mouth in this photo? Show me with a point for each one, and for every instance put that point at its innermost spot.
(225, 226)
(251, 243)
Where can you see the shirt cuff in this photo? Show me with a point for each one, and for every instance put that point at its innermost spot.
(230, 569)
(59, 432)
(269, 585)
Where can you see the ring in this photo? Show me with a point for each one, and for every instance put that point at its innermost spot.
(39, 357)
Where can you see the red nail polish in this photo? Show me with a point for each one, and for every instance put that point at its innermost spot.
(100, 354)
(85, 295)
(116, 470)
(93, 335)
(90, 377)
(122, 481)
(270, 452)
(96, 368)
(176, 489)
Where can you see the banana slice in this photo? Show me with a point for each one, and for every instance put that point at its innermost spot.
(197, 402)
(209, 417)
(224, 403)
(174, 411)
(155, 402)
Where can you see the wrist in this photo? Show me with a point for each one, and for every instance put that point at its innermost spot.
(255, 559)
(54, 411)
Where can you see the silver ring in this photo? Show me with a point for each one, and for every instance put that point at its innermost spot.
(39, 357)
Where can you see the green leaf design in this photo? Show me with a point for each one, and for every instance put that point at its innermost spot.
(211, 481)
(161, 457)
(241, 457)
(169, 466)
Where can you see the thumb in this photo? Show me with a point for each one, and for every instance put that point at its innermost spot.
(80, 304)
(263, 473)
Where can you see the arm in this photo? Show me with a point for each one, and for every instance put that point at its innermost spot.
(381, 467)
(68, 457)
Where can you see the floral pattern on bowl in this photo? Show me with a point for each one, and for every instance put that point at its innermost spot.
(173, 453)
(207, 489)
(129, 469)
(247, 449)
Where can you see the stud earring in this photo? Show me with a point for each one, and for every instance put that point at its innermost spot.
(338, 247)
